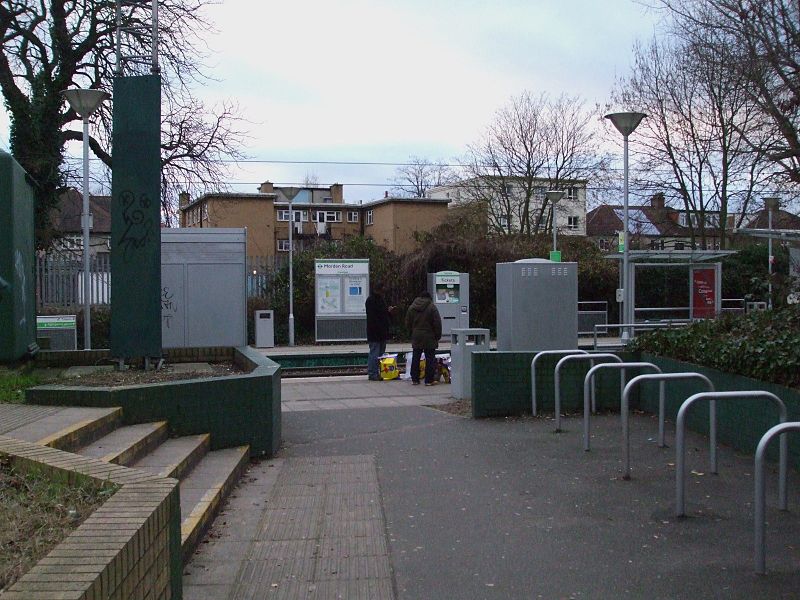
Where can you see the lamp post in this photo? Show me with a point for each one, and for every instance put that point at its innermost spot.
(290, 193)
(772, 205)
(85, 103)
(626, 123)
(553, 197)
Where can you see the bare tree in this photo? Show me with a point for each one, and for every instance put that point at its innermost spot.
(51, 45)
(419, 175)
(692, 145)
(533, 144)
(758, 42)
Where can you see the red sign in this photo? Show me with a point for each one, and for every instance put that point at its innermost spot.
(704, 293)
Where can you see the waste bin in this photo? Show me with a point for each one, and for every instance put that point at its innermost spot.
(265, 329)
(463, 343)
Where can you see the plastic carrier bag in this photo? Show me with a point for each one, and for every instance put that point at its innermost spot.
(388, 364)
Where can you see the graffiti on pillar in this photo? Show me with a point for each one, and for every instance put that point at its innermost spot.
(138, 224)
(168, 306)
(19, 272)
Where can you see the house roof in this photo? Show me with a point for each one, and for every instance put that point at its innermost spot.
(67, 215)
(229, 196)
(608, 219)
(781, 219)
(464, 182)
(374, 203)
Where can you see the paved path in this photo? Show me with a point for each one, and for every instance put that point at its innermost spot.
(503, 509)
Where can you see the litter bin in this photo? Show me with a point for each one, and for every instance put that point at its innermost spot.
(463, 343)
(265, 329)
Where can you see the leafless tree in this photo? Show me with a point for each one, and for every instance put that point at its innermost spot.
(419, 175)
(693, 143)
(533, 144)
(758, 42)
(52, 45)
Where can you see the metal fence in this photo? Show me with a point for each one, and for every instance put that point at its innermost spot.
(591, 313)
(59, 279)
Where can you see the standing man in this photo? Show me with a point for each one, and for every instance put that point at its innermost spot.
(378, 321)
(425, 324)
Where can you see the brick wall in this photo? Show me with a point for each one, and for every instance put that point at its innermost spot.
(128, 548)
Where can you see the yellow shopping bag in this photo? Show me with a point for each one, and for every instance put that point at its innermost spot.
(388, 364)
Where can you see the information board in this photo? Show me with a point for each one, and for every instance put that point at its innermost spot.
(341, 290)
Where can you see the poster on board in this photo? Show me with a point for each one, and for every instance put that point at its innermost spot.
(329, 294)
(704, 293)
(355, 294)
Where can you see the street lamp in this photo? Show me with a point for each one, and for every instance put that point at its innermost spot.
(553, 196)
(772, 205)
(290, 193)
(85, 103)
(626, 123)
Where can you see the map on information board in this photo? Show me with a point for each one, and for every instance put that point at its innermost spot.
(329, 294)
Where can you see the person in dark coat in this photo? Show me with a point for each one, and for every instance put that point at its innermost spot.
(425, 324)
(378, 322)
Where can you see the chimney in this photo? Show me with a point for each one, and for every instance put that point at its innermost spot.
(337, 193)
(183, 199)
(266, 188)
(657, 201)
(386, 194)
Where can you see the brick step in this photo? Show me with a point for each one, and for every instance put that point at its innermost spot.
(203, 491)
(176, 457)
(127, 444)
(69, 428)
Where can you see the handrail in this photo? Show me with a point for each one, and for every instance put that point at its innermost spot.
(712, 413)
(680, 441)
(557, 377)
(760, 489)
(622, 366)
(533, 370)
(668, 323)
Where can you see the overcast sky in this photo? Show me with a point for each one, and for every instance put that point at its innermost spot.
(381, 80)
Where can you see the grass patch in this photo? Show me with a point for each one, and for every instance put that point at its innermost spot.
(36, 514)
(13, 385)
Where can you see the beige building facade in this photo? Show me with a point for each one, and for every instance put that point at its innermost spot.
(317, 214)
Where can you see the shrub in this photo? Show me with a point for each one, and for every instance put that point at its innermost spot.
(763, 345)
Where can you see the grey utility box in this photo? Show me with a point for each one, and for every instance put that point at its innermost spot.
(537, 305)
(203, 287)
(265, 329)
(463, 343)
(450, 293)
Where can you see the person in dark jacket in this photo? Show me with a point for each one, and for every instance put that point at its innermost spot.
(378, 322)
(425, 324)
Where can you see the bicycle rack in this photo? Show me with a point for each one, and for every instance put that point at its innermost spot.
(557, 376)
(622, 366)
(712, 412)
(759, 499)
(533, 370)
(680, 442)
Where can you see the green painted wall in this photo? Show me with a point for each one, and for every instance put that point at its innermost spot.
(17, 291)
(235, 410)
(501, 384)
(136, 218)
(740, 423)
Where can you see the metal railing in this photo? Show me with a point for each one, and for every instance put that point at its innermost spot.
(667, 323)
(591, 313)
(533, 370)
(557, 376)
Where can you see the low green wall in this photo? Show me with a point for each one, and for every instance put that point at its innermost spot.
(501, 384)
(740, 423)
(236, 409)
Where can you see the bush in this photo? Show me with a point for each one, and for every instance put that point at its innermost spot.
(763, 345)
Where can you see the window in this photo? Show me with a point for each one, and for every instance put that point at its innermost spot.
(299, 215)
(572, 193)
(329, 216)
(283, 215)
(369, 217)
(503, 221)
(327, 200)
(604, 245)
(572, 222)
(508, 189)
(352, 216)
(283, 245)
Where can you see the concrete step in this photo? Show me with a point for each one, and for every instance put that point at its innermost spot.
(69, 428)
(176, 457)
(125, 445)
(203, 491)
